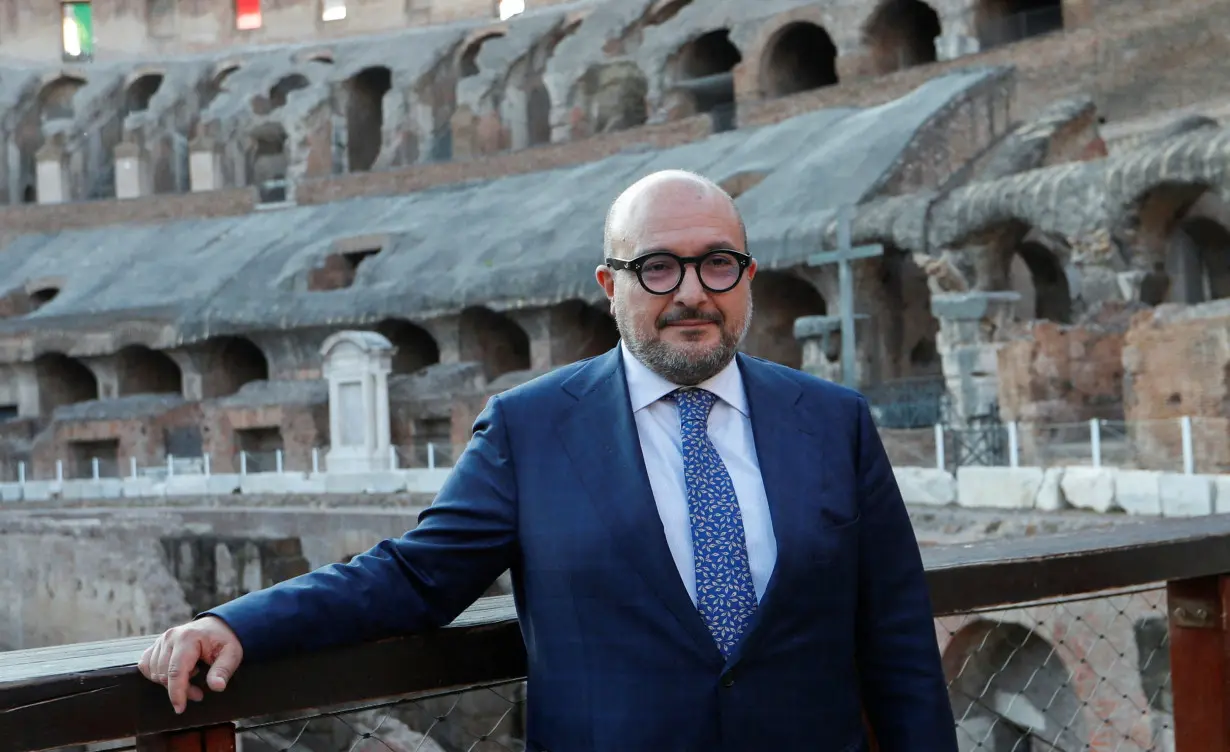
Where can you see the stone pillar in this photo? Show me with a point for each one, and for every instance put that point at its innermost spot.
(106, 371)
(821, 338)
(132, 173)
(357, 366)
(204, 166)
(952, 45)
(446, 330)
(969, 322)
(51, 173)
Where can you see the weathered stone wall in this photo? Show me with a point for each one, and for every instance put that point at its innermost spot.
(84, 577)
(1177, 362)
(79, 580)
(1054, 373)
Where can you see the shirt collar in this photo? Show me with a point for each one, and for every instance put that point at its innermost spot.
(646, 387)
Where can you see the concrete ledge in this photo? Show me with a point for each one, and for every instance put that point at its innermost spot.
(999, 487)
(1094, 489)
(926, 485)
(417, 480)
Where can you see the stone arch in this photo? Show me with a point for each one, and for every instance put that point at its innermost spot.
(140, 91)
(55, 100)
(365, 115)
(704, 72)
(495, 341)
(538, 113)
(236, 361)
(901, 34)
(1038, 276)
(62, 381)
(780, 297)
(141, 370)
(580, 330)
(268, 162)
(1013, 256)
(278, 93)
(416, 348)
(1181, 240)
(799, 57)
(609, 97)
(1008, 687)
(909, 331)
(216, 83)
(467, 60)
(1000, 22)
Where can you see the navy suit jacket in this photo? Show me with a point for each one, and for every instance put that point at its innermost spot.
(553, 487)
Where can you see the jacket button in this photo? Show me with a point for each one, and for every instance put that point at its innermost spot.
(728, 680)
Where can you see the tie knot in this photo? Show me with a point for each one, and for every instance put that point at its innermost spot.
(694, 404)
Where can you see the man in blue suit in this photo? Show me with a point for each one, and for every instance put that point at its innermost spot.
(709, 551)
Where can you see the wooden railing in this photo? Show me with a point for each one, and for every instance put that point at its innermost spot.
(1089, 585)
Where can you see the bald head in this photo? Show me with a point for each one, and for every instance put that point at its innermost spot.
(632, 209)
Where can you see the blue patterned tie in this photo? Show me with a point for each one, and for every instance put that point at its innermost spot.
(725, 595)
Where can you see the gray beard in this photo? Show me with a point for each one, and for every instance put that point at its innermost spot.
(676, 366)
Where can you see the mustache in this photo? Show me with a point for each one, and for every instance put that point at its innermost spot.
(689, 314)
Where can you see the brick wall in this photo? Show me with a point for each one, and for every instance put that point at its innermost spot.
(1177, 362)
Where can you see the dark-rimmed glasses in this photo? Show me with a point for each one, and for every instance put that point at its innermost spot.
(661, 273)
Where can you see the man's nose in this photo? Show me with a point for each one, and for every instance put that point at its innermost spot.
(691, 291)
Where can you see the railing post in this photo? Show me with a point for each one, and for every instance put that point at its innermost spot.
(21, 473)
(939, 446)
(1014, 446)
(1185, 429)
(94, 468)
(220, 738)
(1095, 441)
(431, 456)
(243, 462)
(132, 467)
(208, 464)
(315, 460)
(1200, 662)
(277, 461)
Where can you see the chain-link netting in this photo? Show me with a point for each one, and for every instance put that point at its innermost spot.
(488, 719)
(1086, 673)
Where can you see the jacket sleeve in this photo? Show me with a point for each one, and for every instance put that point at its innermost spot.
(904, 692)
(422, 580)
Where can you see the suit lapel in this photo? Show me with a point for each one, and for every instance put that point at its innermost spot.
(601, 439)
(779, 429)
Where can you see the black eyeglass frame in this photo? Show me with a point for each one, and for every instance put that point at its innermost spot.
(637, 264)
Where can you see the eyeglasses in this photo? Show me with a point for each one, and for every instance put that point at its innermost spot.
(661, 273)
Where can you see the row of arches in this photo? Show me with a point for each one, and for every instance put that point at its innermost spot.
(802, 55)
(64, 380)
(799, 56)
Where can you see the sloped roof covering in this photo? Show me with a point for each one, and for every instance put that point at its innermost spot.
(525, 240)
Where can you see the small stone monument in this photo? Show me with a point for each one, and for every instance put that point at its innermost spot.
(357, 366)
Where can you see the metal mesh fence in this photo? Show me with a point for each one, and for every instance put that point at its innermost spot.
(1075, 674)
(488, 719)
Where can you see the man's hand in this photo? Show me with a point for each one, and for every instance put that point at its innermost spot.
(171, 661)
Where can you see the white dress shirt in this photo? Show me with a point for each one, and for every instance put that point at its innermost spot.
(730, 429)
